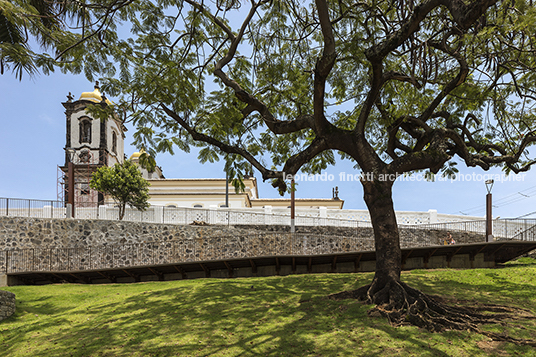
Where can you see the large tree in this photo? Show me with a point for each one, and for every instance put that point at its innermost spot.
(283, 85)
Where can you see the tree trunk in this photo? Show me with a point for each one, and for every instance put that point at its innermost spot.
(401, 303)
(378, 197)
(121, 211)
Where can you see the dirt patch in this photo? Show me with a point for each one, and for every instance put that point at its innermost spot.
(532, 254)
(492, 347)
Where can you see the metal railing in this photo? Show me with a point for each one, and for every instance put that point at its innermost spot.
(17, 207)
(183, 215)
(112, 256)
(519, 229)
(161, 214)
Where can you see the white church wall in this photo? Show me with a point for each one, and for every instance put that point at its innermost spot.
(76, 118)
(118, 156)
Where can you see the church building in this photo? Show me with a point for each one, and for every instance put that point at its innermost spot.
(92, 143)
(89, 144)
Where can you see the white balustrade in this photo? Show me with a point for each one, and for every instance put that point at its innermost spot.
(268, 215)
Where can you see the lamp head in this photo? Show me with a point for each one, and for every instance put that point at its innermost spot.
(489, 185)
(70, 153)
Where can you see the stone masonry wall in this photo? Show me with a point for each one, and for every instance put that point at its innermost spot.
(188, 250)
(70, 244)
(409, 237)
(21, 233)
(7, 304)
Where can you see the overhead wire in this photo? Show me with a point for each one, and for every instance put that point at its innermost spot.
(526, 215)
(504, 201)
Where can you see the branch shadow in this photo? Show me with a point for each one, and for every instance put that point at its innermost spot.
(277, 316)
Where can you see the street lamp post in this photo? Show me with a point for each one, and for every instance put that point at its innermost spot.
(226, 188)
(489, 223)
(227, 180)
(70, 176)
(292, 206)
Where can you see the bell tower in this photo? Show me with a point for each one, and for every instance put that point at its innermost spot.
(89, 144)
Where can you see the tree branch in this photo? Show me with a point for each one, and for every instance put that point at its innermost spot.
(230, 149)
(433, 157)
(392, 75)
(323, 67)
(453, 83)
(253, 104)
(292, 165)
(110, 11)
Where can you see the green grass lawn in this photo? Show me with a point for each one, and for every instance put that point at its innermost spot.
(275, 316)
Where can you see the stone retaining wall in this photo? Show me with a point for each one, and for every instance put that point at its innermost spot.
(7, 304)
(23, 233)
(409, 237)
(32, 244)
(179, 251)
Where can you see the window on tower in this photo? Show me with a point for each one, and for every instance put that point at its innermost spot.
(85, 131)
(114, 142)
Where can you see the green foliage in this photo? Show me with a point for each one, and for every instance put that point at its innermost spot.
(124, 183)
(180, 55)
(30, 32)
(165, 52)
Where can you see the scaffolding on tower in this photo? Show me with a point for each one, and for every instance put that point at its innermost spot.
(85, 164)
(61, 181)
(84, 195)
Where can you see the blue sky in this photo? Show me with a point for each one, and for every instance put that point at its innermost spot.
(32, 137)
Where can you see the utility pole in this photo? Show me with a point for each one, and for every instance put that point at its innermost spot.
(292, 207)
(70, 182)
(489, 222)
(226, 188)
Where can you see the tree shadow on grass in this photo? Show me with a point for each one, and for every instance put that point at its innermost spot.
(31, 317)
(508, 292)
(243, 317)
(278, 316)
(498, 286)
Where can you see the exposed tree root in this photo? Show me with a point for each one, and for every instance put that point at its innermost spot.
(404, 305)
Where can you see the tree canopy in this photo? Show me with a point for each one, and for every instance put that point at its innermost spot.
(35, 34)
(283, 85)
(124, 183)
